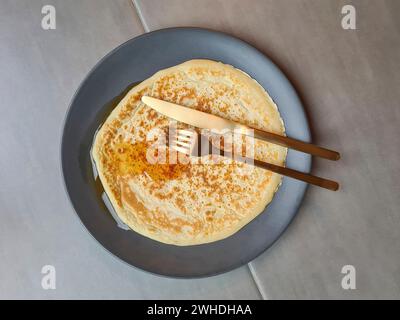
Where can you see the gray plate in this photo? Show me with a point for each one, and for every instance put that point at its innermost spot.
(134, 61)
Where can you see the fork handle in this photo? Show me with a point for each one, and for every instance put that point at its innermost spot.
(317, 181)
(296, 144)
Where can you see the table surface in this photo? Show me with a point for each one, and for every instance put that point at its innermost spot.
(348, 80)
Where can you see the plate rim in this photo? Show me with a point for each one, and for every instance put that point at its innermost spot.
(82, 84)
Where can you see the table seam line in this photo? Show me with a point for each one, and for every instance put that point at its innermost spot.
(140, 15)
(257, 281)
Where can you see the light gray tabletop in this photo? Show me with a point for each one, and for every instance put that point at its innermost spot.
(349, 82)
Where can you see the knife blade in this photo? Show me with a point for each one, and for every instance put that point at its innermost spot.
(191, 116)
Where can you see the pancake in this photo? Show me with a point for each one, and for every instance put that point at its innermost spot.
(187, 203)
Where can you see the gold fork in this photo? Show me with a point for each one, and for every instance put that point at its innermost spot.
(191, 143)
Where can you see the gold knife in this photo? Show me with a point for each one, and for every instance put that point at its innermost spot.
(209, 121)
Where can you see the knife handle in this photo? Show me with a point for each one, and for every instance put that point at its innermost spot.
(296, 144)
(317, 181)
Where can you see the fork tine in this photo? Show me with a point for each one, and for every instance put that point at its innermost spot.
(184, 138)
(183, 144)
(185, 132)
(181, 149)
